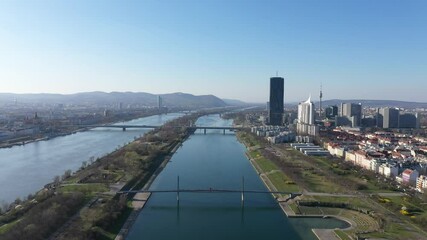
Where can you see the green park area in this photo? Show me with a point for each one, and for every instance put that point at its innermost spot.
(333, 187)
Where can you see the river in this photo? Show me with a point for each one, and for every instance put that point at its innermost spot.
(216, 161)
(26, 169)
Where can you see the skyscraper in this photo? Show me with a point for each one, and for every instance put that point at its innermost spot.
(389, 117)
(159, 102)
(408, 120)
(275, 112)
(331, 111)
(353, 113)
(305, 125)
(306, 112)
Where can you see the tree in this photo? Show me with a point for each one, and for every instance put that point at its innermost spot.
(66, 174)
(30, 196)
(424, 196)
(18, 201)
(56, 180)
(84, 164)
(4, 206)
(92, 159)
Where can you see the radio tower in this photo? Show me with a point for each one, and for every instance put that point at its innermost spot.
(321, 95)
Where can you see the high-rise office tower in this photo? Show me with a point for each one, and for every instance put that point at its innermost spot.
(331, 111)
(408, 120)
(275, 112)
(159, 102)
(353, 112)
(389, 117)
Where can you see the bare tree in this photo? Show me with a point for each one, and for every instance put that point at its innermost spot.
(56, 180)
(4, 206)
(66, 174)
(84, 164)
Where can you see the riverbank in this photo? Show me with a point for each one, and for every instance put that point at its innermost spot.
(285, 201)
(129, 167)
(139, 200)
(21, 141)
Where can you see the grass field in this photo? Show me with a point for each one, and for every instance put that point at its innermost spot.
(8, 226)
(283, 183)
(341, 234)
(329, 175)
(85, 188)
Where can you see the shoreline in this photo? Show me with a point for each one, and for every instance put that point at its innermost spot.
(130, 221)
(47, 137)
(321, 234)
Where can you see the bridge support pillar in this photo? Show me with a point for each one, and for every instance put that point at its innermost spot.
(243, 191)
(124, 129)
(205, 131)
(223, 131)
(177, 189)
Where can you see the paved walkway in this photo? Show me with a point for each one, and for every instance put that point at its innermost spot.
(307, 193)
(391, 194)
(138, 203)
(325, 234)
(139, 200)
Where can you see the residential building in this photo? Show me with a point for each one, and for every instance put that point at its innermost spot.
(388, 170)
(410, 176)
(306, 113)
(421, 183)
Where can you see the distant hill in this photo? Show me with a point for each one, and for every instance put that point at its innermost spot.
(103, 98)
(377, 103)
(234, 102)
(373, 103)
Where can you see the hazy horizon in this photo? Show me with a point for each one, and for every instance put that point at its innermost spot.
(250, 102)
(230, 49)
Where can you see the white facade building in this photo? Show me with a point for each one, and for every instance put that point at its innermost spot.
(306, 113)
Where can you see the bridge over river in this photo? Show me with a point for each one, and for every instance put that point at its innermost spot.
(242, 191)
(124, 127)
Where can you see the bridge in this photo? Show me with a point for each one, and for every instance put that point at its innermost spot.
(242, 191)
(124, 127)
(211, 190)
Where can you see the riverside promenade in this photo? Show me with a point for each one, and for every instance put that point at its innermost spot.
(321, 234)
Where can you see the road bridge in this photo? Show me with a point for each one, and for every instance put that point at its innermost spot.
(124, 127)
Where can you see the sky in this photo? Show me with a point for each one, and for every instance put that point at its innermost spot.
(364, 49)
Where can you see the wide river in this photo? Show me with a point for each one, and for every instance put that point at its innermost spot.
(26, 169)
(216, 161)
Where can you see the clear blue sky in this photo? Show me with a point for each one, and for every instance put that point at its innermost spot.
(370, 49)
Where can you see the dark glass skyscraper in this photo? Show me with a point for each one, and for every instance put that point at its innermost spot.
(276, 100)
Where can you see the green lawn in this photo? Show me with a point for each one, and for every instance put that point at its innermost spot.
(294, 208)
(265, 165)
(85, 188)
(283, 183)
(341, 234)
(317, 182)
(8, 226)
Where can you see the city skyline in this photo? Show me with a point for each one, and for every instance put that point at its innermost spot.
(376, 49)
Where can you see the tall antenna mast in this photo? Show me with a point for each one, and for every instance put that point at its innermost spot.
(321, 95)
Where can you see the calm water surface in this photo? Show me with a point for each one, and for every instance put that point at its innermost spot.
(26, 169)
(216, 161)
